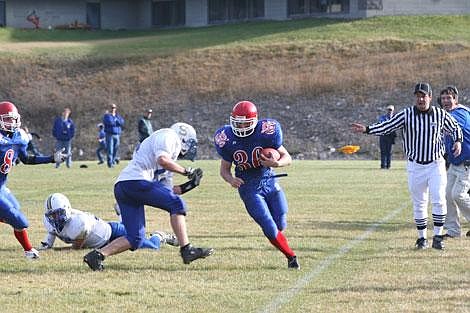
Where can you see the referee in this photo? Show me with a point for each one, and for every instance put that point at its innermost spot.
(423, 127)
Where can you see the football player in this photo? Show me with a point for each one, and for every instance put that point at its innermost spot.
(84, 230)
(12, 146)
(240, 144)
(148, 180)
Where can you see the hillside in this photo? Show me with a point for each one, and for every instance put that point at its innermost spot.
(315, 77)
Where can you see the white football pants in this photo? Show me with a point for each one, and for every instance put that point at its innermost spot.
(424, 180)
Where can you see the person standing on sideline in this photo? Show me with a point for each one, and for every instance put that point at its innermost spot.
(113, 123)
(13, 146)
(458, 174)
(64, 131)
(148, 180)
(145, 125)
(240, 144)
(101, 143)
(386, 141)
(423, 129)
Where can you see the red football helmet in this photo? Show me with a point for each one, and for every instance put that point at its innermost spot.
(244, 118)
(10, 119)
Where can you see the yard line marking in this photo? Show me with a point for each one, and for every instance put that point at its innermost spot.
(289, 294)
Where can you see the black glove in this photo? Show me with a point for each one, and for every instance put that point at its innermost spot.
(195, 179)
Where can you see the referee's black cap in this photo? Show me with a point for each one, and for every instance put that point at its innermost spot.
(424, 88)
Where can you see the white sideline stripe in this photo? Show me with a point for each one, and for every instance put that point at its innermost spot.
(286, 296)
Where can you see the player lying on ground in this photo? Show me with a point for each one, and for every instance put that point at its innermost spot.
(84, 230)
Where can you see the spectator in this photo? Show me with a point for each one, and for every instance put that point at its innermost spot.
(145, 125)
(386, 141)
(101, 143)
(113, 123)
(64, 131)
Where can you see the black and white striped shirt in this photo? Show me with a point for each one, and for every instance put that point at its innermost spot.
(422, 132)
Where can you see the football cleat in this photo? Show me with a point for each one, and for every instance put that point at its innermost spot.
(438, 242)
(190, 253)
(94, 260)
(166, 238)
(421, 243)
(31, 254)
(293, 263)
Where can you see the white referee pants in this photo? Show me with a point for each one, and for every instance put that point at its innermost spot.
(458, 199)
(424, 180)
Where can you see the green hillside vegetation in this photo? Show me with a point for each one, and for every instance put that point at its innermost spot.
(297, 68)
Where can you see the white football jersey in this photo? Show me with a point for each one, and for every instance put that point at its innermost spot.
(94, 232)
(144, 166)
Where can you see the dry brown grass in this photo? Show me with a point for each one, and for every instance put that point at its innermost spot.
(190, 85)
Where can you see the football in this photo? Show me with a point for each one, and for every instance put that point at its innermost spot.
(271, 153)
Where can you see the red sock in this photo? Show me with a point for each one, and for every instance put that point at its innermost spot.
(281, 243)
(22, 237)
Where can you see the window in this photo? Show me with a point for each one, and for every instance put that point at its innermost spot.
(168, 13)
(296, 7)
(3, 21)
(370, 5)
(228, 10)
(329, 6)
(308, 7)
(93, 15)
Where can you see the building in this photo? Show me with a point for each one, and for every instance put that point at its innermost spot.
(142, 14)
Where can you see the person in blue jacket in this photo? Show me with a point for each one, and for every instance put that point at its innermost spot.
(386, 141)
(458, 174)
(64, 131)
(113, 123)
(101, 143)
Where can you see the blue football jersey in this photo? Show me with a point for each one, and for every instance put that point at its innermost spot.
(244, 152)
(10, 150)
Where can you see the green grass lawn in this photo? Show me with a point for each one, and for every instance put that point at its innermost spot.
(349, 223)
(305, 32)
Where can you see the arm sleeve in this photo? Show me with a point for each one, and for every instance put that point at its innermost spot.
(72, 129)
(388, 126)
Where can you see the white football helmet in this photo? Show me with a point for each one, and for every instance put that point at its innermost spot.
(58, 210)
(188, 138)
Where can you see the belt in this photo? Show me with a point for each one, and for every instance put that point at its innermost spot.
(419, 162)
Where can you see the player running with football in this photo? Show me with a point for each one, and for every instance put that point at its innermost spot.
(85, 230)
(12, 146)
(240, 144)
(148, 180)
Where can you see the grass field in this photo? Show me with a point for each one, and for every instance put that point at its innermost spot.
(349, 223)
(311, 36)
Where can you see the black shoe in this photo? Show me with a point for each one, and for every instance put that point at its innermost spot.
(421, 243)
(438, 242)
(468, 234)
(94, 260)
(190, 253)
(292, 263)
